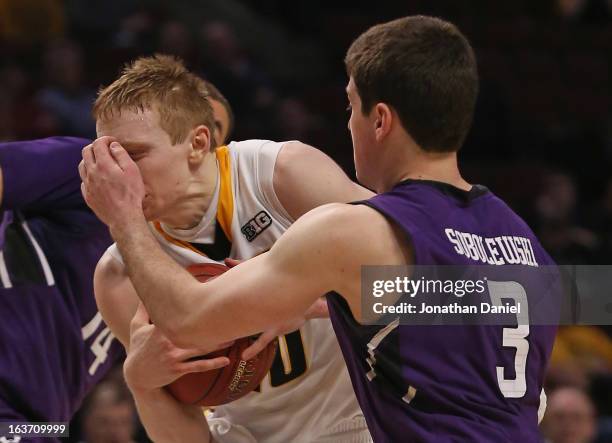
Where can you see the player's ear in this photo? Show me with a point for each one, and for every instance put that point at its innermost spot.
(200, 143)
(383, 118)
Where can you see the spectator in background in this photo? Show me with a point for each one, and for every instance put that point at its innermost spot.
(175, 39)
(136, 32)
(65, 95)
(20, 115)
(31, 22)
(94, 19)
(580, 353)
(108, 414)
(585, 11)
(12, 85)
(293, 120)
(601, 222)
(570, 417)
(563, 238)
(225, 63)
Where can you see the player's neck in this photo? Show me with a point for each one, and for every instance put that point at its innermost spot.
(421, 165)
(189, 209)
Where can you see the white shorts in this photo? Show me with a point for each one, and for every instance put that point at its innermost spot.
(349, 431)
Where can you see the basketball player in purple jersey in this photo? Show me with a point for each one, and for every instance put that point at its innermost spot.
(55, 346)
(412, 90)
(53, 343)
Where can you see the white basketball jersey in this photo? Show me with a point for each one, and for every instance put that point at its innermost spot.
(308, 393)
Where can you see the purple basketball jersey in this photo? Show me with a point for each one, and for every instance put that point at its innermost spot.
(53, 342)
(443, 383)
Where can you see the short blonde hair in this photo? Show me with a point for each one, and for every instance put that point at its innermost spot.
(163, 83)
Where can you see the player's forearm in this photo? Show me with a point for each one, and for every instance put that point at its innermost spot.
(162, 285)
(177, 304)
(168, 421)
(266, 290)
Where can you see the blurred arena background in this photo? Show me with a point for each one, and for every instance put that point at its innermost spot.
(542, 137)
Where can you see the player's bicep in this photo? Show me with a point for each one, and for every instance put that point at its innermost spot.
(305, 178)
(115, 296)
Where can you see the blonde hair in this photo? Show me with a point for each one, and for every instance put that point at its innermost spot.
(163, 83)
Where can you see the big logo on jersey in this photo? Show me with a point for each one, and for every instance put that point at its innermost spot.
(256, 225)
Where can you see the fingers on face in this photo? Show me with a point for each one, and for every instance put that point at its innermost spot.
(101, 149)
(121, 156)
(99, 154)
(88, 156)
(82, 170)
(84, 191)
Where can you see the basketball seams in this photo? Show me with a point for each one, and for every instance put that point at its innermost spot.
(216, 379)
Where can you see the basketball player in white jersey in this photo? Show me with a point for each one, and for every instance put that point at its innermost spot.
(205, 205)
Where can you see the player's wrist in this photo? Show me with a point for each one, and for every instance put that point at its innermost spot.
(127, 224)
(139, 389)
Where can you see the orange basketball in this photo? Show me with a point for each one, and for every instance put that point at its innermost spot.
(220, 386)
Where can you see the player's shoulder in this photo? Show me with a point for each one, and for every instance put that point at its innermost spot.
(294, 155)
(77, 142)
(349, 223)
(346, 212)
(61, 146)
(346, 237)
(68, 141)
(255, 157)
(253, 146)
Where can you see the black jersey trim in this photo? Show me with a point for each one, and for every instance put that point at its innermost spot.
(220, 249)
(450, 190)
(21, 260)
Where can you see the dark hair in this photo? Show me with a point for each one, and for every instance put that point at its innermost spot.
(423, 68)
(215, 94)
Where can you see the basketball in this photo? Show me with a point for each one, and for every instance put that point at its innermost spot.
(223, 385)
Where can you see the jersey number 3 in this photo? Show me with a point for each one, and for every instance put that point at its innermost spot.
(513, 337)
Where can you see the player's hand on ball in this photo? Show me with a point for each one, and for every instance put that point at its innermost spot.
(111, 182)
(153, 361)
(317, 310)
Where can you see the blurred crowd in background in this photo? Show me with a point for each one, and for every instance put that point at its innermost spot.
(542, 136)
